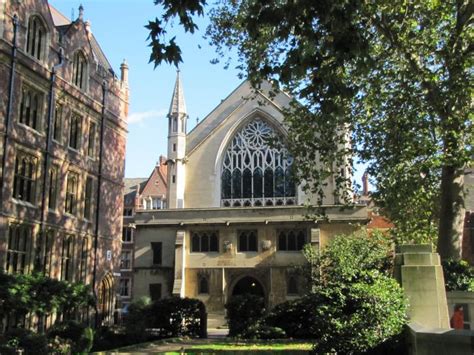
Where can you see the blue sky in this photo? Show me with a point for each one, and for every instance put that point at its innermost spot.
(118, 25)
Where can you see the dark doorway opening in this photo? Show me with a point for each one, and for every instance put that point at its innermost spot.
(248, 285)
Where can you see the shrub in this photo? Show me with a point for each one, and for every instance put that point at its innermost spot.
(360, 305)
(176, 316)
(106, 338)
(243, 311)
(261, 331)
(78, 335)
(31, 343)
(459, 275)
(136, 320)
(295, 317)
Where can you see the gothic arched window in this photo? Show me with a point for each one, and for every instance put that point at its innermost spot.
(257, 169)
(79, 72)
(36, 38)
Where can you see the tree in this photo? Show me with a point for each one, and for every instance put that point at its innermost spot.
(396, 75)
(354, 304)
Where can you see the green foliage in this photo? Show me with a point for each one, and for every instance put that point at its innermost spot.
(169, 317)
(458, 275)
(176, 316)
(262, 331)
(391, 78)
(39, 294)
(30, 342)
(80, 336)
(243, 311)
(354, 304)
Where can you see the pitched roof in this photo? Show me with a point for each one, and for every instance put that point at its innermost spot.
(237, 98)
(63, 24)
(131, 187)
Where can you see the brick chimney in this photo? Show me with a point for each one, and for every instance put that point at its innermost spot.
(365, 183)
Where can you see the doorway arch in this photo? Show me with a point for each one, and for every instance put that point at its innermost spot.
(248, 285)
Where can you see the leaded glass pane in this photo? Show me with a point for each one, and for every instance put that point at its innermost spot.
(256, 172)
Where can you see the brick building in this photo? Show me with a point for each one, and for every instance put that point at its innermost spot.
(139, 194)
(63, 122)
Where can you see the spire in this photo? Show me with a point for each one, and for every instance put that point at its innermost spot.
(178, 105)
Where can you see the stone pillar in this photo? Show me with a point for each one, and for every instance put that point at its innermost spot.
(419, 272)
(179, 266)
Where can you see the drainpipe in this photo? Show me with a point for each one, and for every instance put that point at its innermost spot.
(47, 153)
(9, 106)
(97, 211)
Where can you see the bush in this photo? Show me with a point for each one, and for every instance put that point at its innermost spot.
(106, 338)
(136, 322)
(78, 335)
(261, 331)
(295, 317)
(31, 343)
(360, 305)
(169, 317)
(243, 311)
(176, 316)
(459, 275)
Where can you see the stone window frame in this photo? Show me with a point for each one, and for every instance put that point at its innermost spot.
(75, 132)
(203, 285)
(25, 177)
(48, 254)
(57, 126)
(37, 38)
(19, 245)
(248, 248)
(92, 140)
(157, 253)
(125, 287)
(71, 200)
(31, 108)
(127, 231)
(80, 70)
(200, 238)
(67, 258)
(53, 187)
(291, 235)
(126, 261)
(88, 201)
(84, 259)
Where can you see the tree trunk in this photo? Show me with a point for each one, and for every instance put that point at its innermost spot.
(452, 210)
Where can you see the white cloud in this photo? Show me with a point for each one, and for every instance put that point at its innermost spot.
(139, 117)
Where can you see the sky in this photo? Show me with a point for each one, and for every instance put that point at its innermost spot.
(119, 28)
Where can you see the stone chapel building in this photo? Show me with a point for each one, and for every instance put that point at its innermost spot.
(233, 220)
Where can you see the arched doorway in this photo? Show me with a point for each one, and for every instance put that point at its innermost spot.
(248, 285)
(105, 299)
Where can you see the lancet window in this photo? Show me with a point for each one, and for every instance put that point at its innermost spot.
(257, 169)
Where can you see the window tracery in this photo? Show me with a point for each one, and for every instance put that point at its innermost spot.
(257, 169)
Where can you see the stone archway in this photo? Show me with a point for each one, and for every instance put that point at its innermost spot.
(248, 285)
(105, 299)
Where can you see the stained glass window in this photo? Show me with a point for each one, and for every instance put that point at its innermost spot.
(257, 169)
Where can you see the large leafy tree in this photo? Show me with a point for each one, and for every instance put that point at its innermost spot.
(386, 82)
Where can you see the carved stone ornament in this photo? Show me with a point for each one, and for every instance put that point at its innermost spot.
(266, 244)
(227, 245)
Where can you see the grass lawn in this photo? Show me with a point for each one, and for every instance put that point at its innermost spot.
(209, 346)
(248, 345)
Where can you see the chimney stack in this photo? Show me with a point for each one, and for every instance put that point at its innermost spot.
(365, 184)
